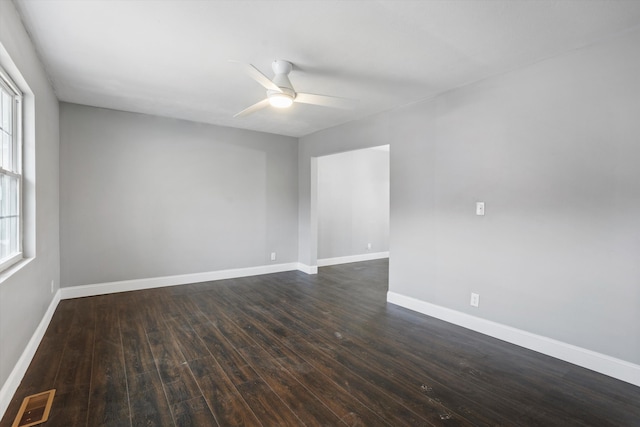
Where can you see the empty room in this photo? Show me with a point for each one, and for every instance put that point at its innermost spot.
(320, 213)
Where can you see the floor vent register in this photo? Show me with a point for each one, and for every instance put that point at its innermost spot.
(34, 409)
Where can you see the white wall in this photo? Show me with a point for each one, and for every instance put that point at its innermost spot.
(553, 151)
(145, 197)
(353, 203)
(25, 293)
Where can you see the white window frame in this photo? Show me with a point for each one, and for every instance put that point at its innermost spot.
(9, 86)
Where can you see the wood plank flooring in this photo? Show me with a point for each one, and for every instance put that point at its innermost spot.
(290, 349)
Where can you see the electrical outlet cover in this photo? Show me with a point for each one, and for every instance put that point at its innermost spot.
(475, 300)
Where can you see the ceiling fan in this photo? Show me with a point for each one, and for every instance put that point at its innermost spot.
(280, 92)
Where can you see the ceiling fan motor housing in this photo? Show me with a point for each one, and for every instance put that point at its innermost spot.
(281, 70)
(281, 67)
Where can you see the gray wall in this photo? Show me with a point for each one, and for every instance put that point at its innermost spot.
(145, 196)
(26, 294)
(353, 203)
(553, 151)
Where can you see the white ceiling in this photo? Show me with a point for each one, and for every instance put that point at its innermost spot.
(170, 57)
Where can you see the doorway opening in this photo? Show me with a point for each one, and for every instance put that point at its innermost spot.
(350, 208)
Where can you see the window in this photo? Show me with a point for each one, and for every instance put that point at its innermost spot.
(10, 172)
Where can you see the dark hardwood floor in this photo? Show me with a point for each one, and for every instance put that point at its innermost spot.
(292, 349)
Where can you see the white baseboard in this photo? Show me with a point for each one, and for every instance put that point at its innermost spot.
(309, 269)
(592, 360)
(15, 377)
(352, 258)
(181, 279)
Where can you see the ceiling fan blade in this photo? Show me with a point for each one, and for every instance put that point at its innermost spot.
(256, 75)
(255, 107)
(324, 100)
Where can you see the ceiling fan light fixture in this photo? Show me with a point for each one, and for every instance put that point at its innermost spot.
(280, 100)
(280, 92)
